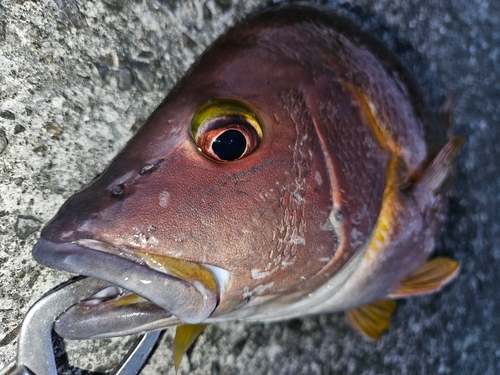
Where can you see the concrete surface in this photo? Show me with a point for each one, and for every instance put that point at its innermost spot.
(68, 103)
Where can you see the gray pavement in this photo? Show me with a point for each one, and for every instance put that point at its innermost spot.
(67, 105)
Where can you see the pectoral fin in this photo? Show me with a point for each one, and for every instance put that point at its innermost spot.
(435, 274)
(372, 319)
(184, 338)
(433, 178)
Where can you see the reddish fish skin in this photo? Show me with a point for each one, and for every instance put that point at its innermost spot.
(316, 83)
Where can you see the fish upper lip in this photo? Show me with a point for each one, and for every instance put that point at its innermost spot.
(190, 300)
(153, 262)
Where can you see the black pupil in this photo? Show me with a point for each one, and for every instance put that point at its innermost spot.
(230, 145)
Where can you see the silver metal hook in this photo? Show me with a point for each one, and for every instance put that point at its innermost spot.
(35, 352)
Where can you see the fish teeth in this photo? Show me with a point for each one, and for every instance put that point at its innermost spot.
(111, 292)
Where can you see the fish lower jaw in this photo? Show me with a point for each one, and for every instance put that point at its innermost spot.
(112, 312)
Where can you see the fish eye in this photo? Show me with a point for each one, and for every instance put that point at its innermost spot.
(226, 130)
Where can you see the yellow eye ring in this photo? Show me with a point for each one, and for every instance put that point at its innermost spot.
(226, 130)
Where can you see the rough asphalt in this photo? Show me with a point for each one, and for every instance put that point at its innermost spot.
(76, 79)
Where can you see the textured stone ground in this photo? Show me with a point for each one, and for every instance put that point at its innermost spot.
(68, 104)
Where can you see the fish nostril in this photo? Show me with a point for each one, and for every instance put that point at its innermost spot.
(118, 190)
(147, 168)
(150, 167)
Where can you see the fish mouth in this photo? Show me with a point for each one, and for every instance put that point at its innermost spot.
(148, 292)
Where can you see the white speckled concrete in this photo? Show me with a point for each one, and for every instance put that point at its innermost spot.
(64, 117)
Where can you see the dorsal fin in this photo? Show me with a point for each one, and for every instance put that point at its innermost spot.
(372, 319)
(185, 335)
(435, 274)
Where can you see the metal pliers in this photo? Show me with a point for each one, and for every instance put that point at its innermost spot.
(35, 352)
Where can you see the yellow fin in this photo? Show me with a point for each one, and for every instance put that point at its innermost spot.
(372, 319)
(184, 338)
(435, 274)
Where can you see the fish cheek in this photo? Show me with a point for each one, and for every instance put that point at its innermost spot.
(294, 244)
(240, 216)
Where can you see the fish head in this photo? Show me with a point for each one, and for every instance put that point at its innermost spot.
(223, 195)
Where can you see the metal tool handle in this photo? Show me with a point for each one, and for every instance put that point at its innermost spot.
(34, 348)
(35, 352)
(137, 356)
(14, 369)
